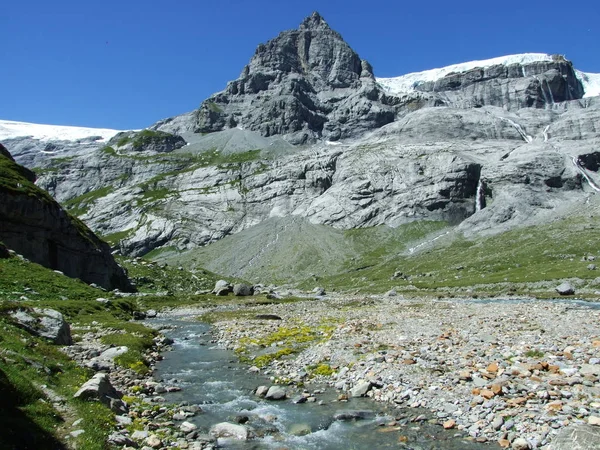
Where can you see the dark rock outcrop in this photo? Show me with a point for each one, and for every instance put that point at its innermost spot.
(305, 84)
(36, 226)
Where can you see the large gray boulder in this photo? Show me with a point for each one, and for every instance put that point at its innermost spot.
(276, 393)
(242, 290)
(229, 430)
(98, 387)
(46, 323)
(222, 287)
(577, 437)
(565, 288)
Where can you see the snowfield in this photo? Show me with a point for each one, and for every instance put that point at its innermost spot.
(407, 83)
(10, 130)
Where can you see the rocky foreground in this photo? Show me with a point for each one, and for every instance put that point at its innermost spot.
(524, 374)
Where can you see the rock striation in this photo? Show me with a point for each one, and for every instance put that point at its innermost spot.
(33, 224)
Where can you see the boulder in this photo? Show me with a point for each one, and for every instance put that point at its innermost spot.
(261, 391)
(46, 323)
(187, 427)
(360, 389)
(565, 288)
(229, 430)
(222, 287)
(98, 387)
(353, 414)
(520, 444)
(577, 437)
(275, 393)
(319, 291)
(242, 290)
(118, 439)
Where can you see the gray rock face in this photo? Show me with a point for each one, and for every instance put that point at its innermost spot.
(36, 226)
(516, 86)
(487, 150)
(46, 323)
(305, 84)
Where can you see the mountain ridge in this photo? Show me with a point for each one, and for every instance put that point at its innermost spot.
(299, 135)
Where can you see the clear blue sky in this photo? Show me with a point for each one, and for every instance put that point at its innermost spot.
(128, 63)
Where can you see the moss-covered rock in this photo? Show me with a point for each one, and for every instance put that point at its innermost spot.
(146, 140)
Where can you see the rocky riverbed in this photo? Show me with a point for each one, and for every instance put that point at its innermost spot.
(520, 374)
(523, 374)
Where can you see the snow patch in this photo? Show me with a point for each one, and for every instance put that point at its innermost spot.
(591, 83)
(10, 130)
(407, 83)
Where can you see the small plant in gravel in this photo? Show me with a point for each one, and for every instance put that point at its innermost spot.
(323, 370)
(534, 353)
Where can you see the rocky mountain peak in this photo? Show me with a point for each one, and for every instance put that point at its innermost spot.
(314, 22)
(305, 84)
(313, 50)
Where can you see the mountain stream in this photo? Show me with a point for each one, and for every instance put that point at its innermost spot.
(212, 378)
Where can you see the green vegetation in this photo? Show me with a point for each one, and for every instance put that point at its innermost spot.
(526, 255)
(285, 341)
(321, 370)
(14, 180)
(109, 151)
(114, 238)
(534, 354)
(28, 362)
(80, 205)
(214, 107)
(304, 249)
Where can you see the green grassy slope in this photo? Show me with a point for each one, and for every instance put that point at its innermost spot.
(524, 256)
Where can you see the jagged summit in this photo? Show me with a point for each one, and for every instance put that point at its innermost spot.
(305, 84)
(314, 22)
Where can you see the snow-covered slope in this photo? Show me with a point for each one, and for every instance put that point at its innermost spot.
(407, 83)
(591, 83)
(11, 130)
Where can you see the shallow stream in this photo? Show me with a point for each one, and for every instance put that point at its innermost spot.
(212, 378)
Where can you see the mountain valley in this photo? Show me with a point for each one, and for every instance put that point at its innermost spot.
(428, 241)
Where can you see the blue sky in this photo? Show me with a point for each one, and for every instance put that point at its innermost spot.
(128, 63)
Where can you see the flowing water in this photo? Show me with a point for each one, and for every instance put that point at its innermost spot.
(212, 378)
